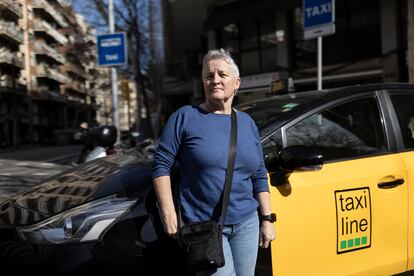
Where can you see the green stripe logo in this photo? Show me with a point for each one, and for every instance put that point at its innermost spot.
(353, 243)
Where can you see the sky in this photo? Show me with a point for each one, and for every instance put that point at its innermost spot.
(92, 17)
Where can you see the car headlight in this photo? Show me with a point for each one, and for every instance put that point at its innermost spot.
(80, 224)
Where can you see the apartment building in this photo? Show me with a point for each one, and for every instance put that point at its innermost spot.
(46, 71)
(127, 104)
(127, 100)
(12, 86)
(61, 73)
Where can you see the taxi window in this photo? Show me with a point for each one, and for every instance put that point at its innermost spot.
(270, 110)
(403, 105)
(347, 130)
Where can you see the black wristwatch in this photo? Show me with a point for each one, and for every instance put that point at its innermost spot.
(271, 217)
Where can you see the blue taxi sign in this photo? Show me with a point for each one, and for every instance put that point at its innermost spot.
(111, 49)
(318, 18)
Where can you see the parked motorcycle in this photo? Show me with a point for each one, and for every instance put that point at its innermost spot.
(99, 142)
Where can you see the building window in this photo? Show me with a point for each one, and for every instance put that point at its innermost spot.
(250, 62)
(252, 43)
(230, 37)
(249, 37)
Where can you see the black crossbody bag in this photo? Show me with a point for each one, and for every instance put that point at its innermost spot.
(202, 241)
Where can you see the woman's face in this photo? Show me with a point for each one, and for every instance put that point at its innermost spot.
(219, 81)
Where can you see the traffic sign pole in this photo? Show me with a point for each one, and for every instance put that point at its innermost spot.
(319, 63)
(114, 77)
(319, 20)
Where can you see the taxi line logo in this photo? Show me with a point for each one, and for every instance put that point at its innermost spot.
(353, 219)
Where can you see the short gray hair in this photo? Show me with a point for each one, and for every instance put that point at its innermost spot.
(221, 54)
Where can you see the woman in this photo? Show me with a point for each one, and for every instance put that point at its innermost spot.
(198, 138)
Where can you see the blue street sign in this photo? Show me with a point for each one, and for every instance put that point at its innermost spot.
(318, 18)
(111, 49)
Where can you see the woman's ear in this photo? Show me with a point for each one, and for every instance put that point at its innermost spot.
(238, 81)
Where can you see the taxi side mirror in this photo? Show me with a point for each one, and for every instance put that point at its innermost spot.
(294, 158)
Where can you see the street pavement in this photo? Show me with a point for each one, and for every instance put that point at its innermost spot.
(24, 168)
(42, 153)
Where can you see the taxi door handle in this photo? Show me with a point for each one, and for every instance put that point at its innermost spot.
(390, 184)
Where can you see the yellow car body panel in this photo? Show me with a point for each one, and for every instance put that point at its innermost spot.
(337, 221)
(408, 159)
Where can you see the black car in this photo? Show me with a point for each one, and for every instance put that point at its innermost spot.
(102, 216)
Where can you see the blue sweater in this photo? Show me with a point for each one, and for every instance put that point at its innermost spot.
(199, 141)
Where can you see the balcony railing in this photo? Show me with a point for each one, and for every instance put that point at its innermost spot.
(42, 4)
(6, 81)
(42, 48)
(76, 99)
(44, 70)
(12, 5)
(11, 30)
(41, 25)
(75, 85)
(70, 67)
(10, 58)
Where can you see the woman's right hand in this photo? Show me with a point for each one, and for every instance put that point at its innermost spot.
(169, 222)
(162, 186)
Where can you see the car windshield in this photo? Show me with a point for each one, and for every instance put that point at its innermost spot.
(265, 111)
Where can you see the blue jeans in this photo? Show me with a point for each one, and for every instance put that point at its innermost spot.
(240, 246)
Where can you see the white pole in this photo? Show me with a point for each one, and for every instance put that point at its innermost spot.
(114, 76)
(319, 62)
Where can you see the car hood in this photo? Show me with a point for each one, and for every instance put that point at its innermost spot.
(117, 174)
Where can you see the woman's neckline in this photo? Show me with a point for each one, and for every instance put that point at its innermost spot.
(207, 111)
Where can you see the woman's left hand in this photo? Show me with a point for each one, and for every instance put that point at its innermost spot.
(267, 234)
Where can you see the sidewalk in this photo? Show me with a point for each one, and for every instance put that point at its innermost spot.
(42, 153)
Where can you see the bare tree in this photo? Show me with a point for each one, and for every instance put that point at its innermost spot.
(133, 17)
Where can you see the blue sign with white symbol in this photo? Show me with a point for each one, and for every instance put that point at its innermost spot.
(111, 49)
(318, 18)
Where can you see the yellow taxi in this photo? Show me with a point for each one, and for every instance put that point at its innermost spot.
(341, 167)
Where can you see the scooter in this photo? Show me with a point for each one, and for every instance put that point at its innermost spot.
(100, 143)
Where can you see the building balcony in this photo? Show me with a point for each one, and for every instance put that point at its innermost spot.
(44, 71)
(77, 38)
(11, 30)
(12, 6)
(78, 99)
(7, 81)
(76, 69)
(42, 49)
(67, 48)
(69, 31)
(43, 26)
(8, 57)
(45, 6)
(75, 86)
(46, 93)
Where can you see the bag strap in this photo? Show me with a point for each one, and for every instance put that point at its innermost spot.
(229, 174)
(230, 167)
